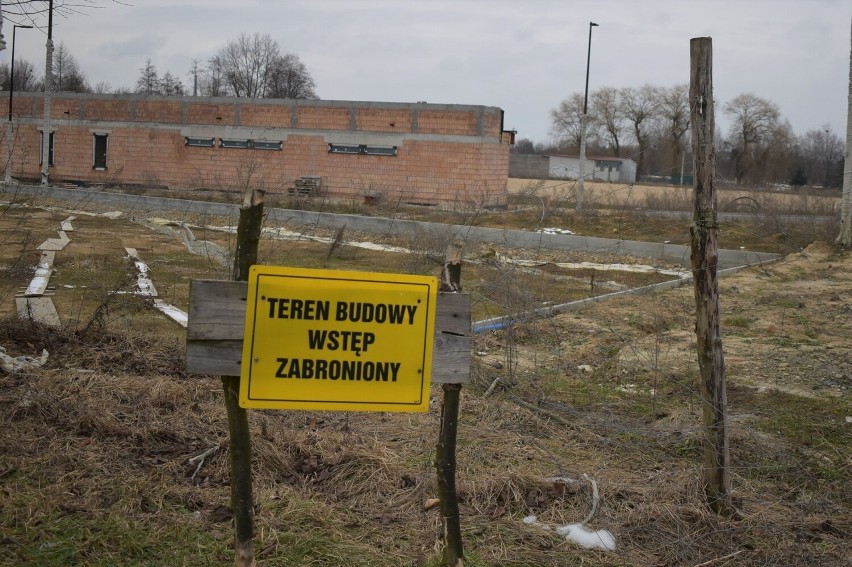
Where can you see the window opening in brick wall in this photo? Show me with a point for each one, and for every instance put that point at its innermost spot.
(49, 151)
(267, 145)
(362, 149)
(240, 144)
(380, 150)
(199, 142)
(99, 158)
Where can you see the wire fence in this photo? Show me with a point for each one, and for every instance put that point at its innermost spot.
(608, 393)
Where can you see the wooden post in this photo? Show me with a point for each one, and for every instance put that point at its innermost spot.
(704, 233)
(845, 236)
(445, 461)
(245, 255)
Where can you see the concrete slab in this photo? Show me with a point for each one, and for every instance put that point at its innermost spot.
(177, 315)
(66, 224)
(39, 309)
(47, 258)
(53, 244)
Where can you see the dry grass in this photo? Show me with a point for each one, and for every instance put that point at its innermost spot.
(94, 456)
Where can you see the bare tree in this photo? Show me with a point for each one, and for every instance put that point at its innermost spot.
(289, 78)
(27, 78)
(67, 73)
(566, 122)
(822, 156)
(673, 106)
(171, 85)
(523, 146)
(254, 67)
(102, 87)
(148, 82)
(247, 64)
(212, 80)
(640, 108)
(754, 120)
(607, 108)
(32, 12)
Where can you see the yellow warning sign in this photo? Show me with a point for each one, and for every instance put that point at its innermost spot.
(332, 340)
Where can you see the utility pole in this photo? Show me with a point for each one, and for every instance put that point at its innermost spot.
(48, 89)
(581, 188)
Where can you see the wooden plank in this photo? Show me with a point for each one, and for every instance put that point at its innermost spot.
(453, 313)
(451, 359)
(220, 358)
(216, 326)
(63, 237)
(217, 310)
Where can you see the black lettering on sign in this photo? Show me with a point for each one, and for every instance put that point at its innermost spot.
(338, 370)
(283, 364)
(306, 309)
(354, 341)
(359, 312)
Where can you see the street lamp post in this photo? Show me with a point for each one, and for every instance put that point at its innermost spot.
(581, 189)
(9, 132)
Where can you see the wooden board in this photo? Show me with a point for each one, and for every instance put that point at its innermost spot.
(217, 311)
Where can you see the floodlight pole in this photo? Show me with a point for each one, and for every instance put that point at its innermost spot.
(581, 188)
(9, 131)
(48, 89)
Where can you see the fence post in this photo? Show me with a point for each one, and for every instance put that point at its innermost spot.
(445, 461)
(703, 234)
(248, 237)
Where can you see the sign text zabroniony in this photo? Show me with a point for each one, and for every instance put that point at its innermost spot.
(333, 340)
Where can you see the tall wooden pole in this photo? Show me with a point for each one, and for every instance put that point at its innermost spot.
(845, 236)
(445, 461)
(245, 255)
(704, 234)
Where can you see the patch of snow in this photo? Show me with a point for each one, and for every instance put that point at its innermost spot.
(554, 230)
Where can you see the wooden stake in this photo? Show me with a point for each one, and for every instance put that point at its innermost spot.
(704, 234)
(245, 255)
(445, 461)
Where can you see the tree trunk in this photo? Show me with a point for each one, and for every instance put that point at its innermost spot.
(704, 230)
(245, 255)
(845, 236)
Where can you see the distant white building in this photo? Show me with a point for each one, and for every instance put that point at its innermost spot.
(611, 169)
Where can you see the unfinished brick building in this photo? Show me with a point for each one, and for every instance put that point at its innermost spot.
(411, 152)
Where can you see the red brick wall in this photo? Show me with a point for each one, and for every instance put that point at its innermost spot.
(383, 120)
(265, 115)
(453, 154)
(161, 112)
(106, 109)
(210, 113)
(323, 118)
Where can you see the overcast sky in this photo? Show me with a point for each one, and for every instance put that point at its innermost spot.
(523, 56)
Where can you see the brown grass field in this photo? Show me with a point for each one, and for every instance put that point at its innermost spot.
(95, 449)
